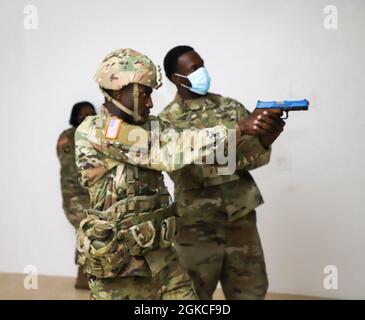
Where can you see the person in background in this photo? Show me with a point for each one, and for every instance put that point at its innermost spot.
(75, 198)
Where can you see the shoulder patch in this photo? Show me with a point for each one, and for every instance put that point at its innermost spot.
(112, 128)
(62, 141)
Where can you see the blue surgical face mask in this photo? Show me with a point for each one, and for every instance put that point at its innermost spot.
(199, 79)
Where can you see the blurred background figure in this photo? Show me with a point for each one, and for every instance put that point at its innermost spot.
(75, 198)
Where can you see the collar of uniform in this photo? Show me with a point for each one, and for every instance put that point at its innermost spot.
(103, 116)
(104, 111)
(193, 104)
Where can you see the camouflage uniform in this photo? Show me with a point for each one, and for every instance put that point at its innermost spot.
(126, 238)
(218, 238)
(75, 198)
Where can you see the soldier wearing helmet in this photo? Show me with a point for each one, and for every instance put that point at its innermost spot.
(123, 72)
(125, 241)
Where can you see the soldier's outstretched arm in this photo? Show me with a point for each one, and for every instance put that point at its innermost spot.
(251, 153)
(166, 150)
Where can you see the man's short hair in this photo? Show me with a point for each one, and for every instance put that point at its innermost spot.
(76, 110)
(171, 57)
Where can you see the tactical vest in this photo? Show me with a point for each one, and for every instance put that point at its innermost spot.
(131, 227)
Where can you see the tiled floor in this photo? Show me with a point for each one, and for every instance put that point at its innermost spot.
(62, 288)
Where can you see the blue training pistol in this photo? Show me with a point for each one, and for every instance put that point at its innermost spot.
(286, 105)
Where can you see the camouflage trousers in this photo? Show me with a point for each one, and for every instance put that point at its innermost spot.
(171, 283)
(229, 252)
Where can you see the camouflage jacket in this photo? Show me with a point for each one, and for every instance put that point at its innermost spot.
(105, 148)
(75, 197)
(239, 191)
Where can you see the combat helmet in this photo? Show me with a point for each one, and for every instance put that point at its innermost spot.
(123, 67)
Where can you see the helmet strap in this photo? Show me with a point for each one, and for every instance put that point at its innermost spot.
(134, 114)
(136, 101)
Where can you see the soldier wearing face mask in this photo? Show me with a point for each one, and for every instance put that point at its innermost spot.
(218, 238)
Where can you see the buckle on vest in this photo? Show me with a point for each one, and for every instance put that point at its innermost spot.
(144, 234)
(131, 204)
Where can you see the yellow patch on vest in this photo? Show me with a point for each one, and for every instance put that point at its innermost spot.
(113, 127)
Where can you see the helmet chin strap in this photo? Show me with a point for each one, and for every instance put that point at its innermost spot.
(136, 102)
(134, 114)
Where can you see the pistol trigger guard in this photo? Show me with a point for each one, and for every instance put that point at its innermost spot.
(286, 115)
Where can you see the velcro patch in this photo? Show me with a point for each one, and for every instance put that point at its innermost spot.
(112, 128)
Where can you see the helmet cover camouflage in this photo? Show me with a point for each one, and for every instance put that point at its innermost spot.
(124, 66)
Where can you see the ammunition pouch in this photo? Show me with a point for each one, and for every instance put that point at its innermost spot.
(131, 227)
(148, 231)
